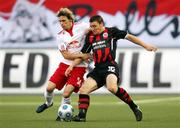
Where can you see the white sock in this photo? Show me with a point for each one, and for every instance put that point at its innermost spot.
(49, 97)
(66, 100)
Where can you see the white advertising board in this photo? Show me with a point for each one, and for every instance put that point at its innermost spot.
(28, 70)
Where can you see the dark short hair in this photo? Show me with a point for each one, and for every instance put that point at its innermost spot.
(96, 18)
(65, 12)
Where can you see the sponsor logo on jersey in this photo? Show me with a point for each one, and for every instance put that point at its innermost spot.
(74, 44)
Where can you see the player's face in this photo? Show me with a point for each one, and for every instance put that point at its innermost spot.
(96, 27)
(65, 22)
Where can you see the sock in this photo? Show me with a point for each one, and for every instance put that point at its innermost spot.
(49, 97)
(66, 100)
(124, 96)
(83, 105)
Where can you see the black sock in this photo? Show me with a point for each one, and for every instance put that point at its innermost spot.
(82, 113)
(124, 96)
(83, 104)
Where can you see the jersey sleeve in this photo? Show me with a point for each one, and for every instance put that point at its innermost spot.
(118, 34)
(61, 45)
(87, 46)
(85, 25)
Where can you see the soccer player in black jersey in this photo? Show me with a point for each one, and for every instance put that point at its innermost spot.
(102, 41)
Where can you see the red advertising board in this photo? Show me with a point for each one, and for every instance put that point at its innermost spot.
(154, 21)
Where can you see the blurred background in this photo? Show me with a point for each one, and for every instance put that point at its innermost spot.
(29, 54)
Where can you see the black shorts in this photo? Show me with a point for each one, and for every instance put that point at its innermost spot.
(100, 72)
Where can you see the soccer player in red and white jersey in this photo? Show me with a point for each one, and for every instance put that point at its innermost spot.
(70, 42)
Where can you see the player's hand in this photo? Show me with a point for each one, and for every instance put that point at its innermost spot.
(68, 71)
(151, 48)
(86, 57)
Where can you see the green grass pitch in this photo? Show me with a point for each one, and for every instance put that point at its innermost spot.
(106, 111)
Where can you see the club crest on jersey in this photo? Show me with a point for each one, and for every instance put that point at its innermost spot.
(105, 35)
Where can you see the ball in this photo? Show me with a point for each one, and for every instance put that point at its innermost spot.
(65, 112)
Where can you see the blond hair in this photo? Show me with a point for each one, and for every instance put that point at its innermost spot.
(66, 12)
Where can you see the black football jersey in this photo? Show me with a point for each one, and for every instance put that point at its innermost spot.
(103, 45)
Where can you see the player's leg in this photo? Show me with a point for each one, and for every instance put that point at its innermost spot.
(68, 90)
(111, 82)
(74, 82)
(57, 80)
(84, 100)
(48, 94)
(67, 93)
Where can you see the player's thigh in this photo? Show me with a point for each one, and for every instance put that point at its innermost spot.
(76, 79)
(68, 90)
(111, 83)
(59, 78)
(88, 86)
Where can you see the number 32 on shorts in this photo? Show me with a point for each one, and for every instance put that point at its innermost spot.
(111, 69)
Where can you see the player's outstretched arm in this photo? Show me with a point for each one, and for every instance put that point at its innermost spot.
(136, 40)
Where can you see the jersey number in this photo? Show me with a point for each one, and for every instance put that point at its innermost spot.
(111, 69)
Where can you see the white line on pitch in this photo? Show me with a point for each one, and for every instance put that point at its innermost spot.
(145, 101)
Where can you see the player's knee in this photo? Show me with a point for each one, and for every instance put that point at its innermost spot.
(50, 89)
(66, 94)
(83, 90)
(112, 89)
(51, 86)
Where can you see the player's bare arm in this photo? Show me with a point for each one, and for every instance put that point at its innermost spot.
(76, 61)
(71, 56)
(136, 40)
(70, 68)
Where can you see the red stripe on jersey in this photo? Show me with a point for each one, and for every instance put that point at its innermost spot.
(98, 38)
(94, 58)
(106, 30)
(106, 54)
(99, 55)
(91, 37)
(110, 57)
